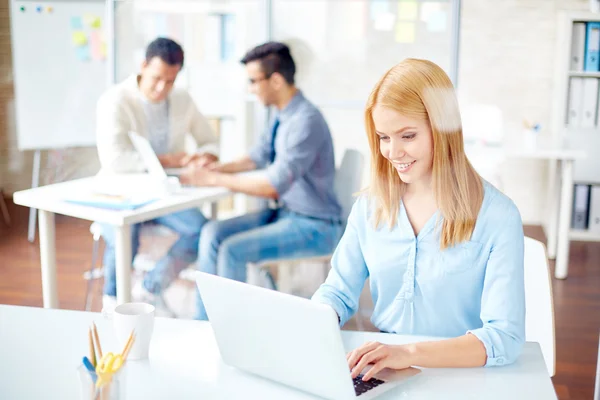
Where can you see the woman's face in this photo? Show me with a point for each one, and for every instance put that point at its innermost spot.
(407, 143)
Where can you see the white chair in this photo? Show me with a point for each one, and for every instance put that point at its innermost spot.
(348, 180)
(539, 320)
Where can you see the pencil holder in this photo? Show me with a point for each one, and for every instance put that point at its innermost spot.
(114, 389)
(530, 138)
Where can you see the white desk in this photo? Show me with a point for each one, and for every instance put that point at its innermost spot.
(560, 197)
(41, 350)
(49, 200)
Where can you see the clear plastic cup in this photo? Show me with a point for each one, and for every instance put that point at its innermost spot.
(112, 390)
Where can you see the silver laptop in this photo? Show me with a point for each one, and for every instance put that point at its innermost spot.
(287, 339)
(144, 148)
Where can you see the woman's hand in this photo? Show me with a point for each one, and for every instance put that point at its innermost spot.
(381, 356)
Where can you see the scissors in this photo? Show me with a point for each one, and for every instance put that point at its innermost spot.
(108, 365)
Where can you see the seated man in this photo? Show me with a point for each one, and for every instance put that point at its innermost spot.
(297, 153)
(147, 104)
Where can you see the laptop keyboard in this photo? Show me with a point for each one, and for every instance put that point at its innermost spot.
(361, 386)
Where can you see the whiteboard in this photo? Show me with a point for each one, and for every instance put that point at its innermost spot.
(58, 78)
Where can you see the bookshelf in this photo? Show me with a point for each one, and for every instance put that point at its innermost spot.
(576, 111)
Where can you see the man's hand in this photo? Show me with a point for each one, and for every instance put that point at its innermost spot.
(180, 160)
(172, 160)
(198, 176)
(200, 160)
(381, 356)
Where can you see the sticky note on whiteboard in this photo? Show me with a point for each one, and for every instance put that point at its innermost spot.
(408, 9)
(96, 44)
(96, 23)
(76, 23)
(405, 32)
(83, 53)
(437, 22)
(79, 38)
(88, 19)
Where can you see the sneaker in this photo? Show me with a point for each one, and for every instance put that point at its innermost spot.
(108, 304)
(140, 294)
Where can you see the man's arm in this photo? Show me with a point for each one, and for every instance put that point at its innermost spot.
(115, 150)
(253, 185)
(242, 165)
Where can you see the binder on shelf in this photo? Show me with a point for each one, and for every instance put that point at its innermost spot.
(578, 46)
(590, 102)
(592, 47)
(227, 37)
(575, 102)
(581, 207)
(594, 223)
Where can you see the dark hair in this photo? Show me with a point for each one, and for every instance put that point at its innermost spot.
(167, 50)
(273, 57)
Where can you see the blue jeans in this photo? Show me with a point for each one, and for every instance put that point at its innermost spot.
(187, 224)
(227, 246)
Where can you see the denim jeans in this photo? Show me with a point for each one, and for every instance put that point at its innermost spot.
(227, 246)
(187, 224)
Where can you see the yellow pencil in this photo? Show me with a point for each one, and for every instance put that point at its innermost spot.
(92, 352)
(128, 346)
(98, 347)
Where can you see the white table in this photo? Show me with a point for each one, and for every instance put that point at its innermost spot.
(560, 198)
(41, 350)
(50, 200)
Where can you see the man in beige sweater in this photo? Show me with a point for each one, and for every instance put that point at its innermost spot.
(148, 104)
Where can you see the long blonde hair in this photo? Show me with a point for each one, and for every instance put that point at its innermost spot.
(420, 89)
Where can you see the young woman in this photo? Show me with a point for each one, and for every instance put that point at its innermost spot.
(442, 248)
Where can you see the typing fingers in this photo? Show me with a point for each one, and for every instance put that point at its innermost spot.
(371, 357)
(354, 356)
(378, 366)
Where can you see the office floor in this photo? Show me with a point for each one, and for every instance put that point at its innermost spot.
(577, 299)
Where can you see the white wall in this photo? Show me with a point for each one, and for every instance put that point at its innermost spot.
(507, 59)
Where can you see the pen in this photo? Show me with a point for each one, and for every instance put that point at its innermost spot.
(88, 365)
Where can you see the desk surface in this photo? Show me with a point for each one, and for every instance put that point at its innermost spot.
(52, 198)
(515, 150)
(41, 349)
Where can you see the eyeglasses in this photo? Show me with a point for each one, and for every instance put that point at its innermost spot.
(252, 81)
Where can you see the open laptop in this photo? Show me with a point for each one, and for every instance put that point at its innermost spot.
(287, 339)
(155, 168)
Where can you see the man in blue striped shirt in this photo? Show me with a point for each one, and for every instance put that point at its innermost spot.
(297, 156)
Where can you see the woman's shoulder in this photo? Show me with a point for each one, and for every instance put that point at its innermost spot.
(496, 205)
(362, 206)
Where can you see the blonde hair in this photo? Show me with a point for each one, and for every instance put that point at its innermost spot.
(420, 89)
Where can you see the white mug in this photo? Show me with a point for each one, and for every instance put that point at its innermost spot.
(137, 317)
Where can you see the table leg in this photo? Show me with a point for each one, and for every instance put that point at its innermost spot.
(123, 263)
(48, 259)
(553, 195)
(214, 209)
(564, 221)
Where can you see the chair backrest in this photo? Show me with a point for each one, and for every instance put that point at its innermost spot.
(539, 321)
(348, 179)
